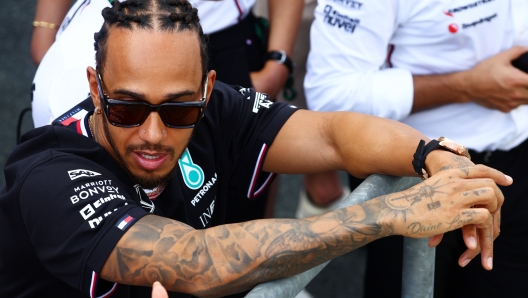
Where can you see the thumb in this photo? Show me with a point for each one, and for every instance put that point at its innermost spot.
(158, 291)
(514, 52)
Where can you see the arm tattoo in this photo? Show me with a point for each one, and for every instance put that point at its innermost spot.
(235, 257)
(459, 162)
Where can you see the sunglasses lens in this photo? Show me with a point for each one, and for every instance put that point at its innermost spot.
(127, 114)
(180, 116)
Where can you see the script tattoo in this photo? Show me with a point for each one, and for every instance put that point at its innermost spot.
(461, 220)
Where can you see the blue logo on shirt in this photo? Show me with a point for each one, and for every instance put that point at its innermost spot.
(193, 175)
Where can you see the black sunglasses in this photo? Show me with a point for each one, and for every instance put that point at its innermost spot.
(130, 114)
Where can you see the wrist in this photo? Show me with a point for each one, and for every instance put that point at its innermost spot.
(280, 57)
(429, 160)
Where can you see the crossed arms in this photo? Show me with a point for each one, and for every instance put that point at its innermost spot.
(232, 258)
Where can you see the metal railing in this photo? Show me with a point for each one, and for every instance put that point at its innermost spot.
(418, 257)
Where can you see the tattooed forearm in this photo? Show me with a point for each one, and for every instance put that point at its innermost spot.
(232, 258)
(235, 257)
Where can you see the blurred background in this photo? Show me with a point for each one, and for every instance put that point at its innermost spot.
(341, 278)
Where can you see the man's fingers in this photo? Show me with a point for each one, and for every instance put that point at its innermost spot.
(435, 240)
(469, 234)
(479, 240)
(496, 223)
(490, 198)
(482, 171)
(486, 245)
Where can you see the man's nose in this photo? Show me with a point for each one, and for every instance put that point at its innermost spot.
(152, 130)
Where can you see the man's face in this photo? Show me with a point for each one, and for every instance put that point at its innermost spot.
(153, 67)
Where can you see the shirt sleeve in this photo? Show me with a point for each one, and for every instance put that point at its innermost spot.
(350, 42)
(251, 122)
(75, 211)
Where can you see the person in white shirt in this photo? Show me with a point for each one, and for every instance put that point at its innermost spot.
(61, 76)
(443, 67)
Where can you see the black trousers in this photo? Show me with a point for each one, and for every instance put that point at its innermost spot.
(510, 267)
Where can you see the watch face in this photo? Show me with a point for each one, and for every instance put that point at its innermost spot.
(454, 147)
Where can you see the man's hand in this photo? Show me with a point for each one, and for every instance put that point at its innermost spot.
(270, 79)
(496, 84)
(466, 198)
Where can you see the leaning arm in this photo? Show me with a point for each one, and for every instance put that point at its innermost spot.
(312, 142)
(231, 258)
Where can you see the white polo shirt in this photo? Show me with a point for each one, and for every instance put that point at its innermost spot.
(363, 55)
(60, 80)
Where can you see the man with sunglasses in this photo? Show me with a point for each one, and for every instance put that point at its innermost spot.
(131, 186)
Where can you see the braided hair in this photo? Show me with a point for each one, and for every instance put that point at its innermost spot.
(164, 15)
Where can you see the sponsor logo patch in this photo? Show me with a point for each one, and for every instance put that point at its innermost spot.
(193, 175)
(124, 222)
(350, 4)
(341, 21)
(467, 6)
(74, 174)
(261, 100)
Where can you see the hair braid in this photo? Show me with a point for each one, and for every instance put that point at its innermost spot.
(160, 15)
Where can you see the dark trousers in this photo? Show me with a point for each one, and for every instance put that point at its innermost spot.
(510, 267)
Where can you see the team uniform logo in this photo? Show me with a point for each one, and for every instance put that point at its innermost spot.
(74, 174)
(193, 175)
(149, 206)
(124, 222)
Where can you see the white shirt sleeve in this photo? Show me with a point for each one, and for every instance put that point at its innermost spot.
(349, 45)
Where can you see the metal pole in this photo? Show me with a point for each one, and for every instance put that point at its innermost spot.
(415, 276)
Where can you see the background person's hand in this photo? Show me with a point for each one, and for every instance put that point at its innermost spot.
(158, 291)
(270, 79)
(496, 84)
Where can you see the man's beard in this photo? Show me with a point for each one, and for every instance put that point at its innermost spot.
(149, 181)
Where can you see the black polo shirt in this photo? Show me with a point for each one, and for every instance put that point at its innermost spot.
(67, 202)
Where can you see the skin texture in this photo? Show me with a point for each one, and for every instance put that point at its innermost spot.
(232, 258)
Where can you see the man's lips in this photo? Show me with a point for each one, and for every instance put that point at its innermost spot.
(150, 161)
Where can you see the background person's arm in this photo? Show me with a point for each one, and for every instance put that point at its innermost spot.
(285, 19)
(51, 12)
(232, 258)
(493, 83)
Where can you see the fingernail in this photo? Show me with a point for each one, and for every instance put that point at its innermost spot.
(490, 262)
(510, 179)
(156, 283)
(465, 262)
(472, 243)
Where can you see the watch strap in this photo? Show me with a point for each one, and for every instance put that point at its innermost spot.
(281, 57)
(419, 157)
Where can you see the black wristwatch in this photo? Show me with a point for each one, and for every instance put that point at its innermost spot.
(281, 57)
(441, 143)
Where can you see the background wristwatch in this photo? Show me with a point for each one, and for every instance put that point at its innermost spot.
(441, 143)
(281, 57)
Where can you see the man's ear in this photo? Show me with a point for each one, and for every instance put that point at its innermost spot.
(211, 78)
(92, 80)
